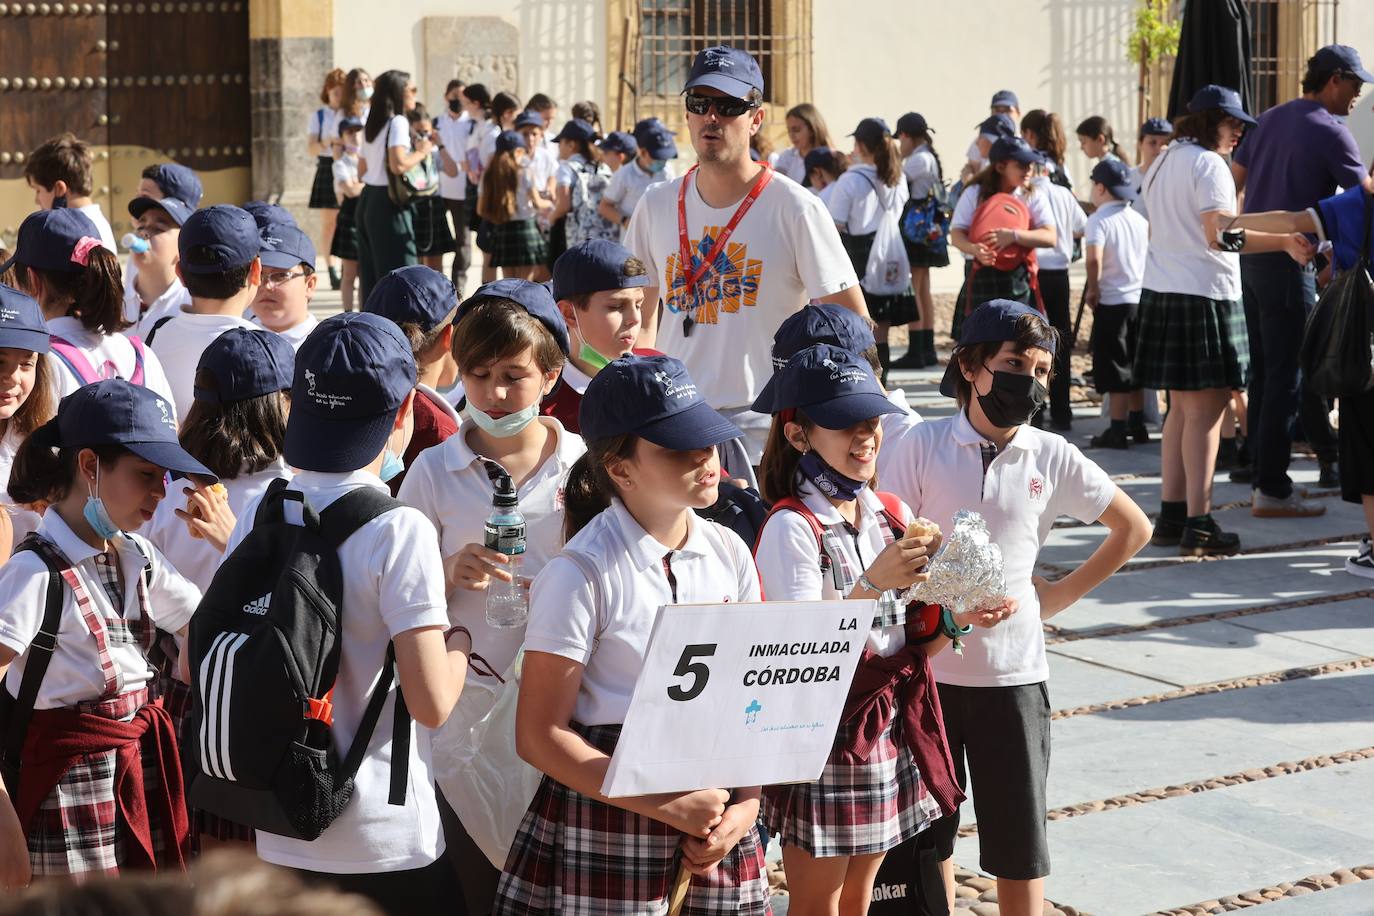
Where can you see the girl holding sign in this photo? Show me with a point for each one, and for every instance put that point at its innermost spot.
(635, 545)
(832, 536)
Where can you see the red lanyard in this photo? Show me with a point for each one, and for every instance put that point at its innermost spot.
(692, 276)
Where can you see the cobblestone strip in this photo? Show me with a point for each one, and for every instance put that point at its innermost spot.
(1312, 884)
(1066, 522)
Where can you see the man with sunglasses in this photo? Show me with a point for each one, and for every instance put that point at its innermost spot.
(732, 249)
(1299, 153)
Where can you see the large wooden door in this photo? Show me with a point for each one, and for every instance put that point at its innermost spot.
(141, 82)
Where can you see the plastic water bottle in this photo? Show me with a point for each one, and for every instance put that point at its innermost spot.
(133, 243)
(507, 602)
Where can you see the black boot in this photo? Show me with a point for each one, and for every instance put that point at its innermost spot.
(1169, 524)
(928, 348)
(1203, 537)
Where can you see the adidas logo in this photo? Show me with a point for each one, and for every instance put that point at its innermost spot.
(258, 606)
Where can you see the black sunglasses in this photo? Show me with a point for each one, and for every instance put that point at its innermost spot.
(725, 107)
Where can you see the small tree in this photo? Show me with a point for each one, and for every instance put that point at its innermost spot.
(1155, 36)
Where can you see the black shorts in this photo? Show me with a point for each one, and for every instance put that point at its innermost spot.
(1356, 438)
(1113, 347)
(1005, 734)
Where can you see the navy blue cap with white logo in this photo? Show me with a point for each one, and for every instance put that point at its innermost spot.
(998, 125)
(265, 214)
(654, 137)
(1223, 97)
(819, 157)
(577, 129)
(350, 123)
(913, 125)
(414, 294)
(528, 118)
(21, 321)
(1343, 58)
(116, 412)
(654, 398)
(284, 245)
(618, 141)
(217, 239)
(54, 240)
(175, 180)
(1004, 98)
(1004, 148)
(535, 298)
(509, 140)
(731, 70)
(993, 321)
(353, 373)
(592, 267)
(178, 210)
(833, 387)
(245, 363)
(1157, 127)
(820, 322)
(1116, 177)
(871, 132)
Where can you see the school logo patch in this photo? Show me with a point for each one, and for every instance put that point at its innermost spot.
(729, 284)
(1037, 488)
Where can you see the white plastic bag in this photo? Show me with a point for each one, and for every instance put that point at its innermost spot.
(888, 272)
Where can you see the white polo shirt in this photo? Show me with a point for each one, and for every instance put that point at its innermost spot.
(630, 182)
(1184, 182)
(937, 468)
(1124, 237)
(179, 344)
(375, 151)
(102, 225)
(896, 423)
(789, 162)
(112, 355)
(1069, 220)
(393, 582)
(74, 674)
(294, 335)
(22, 521)
(922, 172)
(453, 134)
(860, 200)
(172, 299)
(967, 207)
(450, 486)
(788, 556)
(713, 566)
(196, 558)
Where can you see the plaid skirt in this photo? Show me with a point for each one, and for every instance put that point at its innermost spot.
(575, 856)
(344, 245)
(854, 809)
(990, 283)
(898, 309)
(921, 256)
(432, 234)
(517, 243)
(322, 196)
(1190, 343)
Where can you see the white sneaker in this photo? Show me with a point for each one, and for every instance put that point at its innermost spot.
(1362, 564)
(1293, 506)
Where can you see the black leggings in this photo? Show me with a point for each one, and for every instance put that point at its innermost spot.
(1054, 291)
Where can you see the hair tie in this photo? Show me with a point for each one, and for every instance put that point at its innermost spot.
(81, 254)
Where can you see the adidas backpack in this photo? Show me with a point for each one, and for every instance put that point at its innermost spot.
(265, 649)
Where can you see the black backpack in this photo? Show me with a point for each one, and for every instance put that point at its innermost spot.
(265, 645)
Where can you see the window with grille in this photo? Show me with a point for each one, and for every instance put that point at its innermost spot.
(1283, 35)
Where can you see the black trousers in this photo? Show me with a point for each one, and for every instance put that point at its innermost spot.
(459, 211)
(417, 892)
(1054, 290)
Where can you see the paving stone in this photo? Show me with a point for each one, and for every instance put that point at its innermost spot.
(1074, 682)
(1345, 625)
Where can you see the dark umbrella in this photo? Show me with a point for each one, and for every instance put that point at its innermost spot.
(1214, 47)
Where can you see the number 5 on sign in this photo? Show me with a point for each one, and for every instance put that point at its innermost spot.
(738, 695)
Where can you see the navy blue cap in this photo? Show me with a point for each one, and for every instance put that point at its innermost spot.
(591, 267)
(832, 386)
(654, 398)
(577, 129)
(731, 70)
(998, 125)
(1157, 127)
(535, 298)
(993, 321)
(654, 137)
(913, 124)
(1004, 148)
(116, 412)
(265, 214)
(528, 118)
(817, 323)
(175, 180)
(509, 140)
(350, 123)
(820, 157)
(178, 210)
(415, 294)
(21, 321)
(352, 374)
(1004, 97)
(245, 363)
(618, 141)
(48, 239)
(1341, 57)
(1222, 97)
(1117, 178)
(871, 132)
(217, 239)
(284, 245)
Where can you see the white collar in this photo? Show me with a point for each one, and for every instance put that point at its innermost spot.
(458, 455)
(644, 550)
(325, 480)
(965, 434)
(827, 513)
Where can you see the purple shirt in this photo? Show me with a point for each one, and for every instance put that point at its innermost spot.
(1297, 155)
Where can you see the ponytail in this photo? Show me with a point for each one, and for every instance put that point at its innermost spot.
(930, 145)
(887, 160)
(1098, 126)
(43, 474)
(94, 294)
(499, 195)
(589, 488)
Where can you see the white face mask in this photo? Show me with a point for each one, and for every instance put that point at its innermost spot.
(509, 425)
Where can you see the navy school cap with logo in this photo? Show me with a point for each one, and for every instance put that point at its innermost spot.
(176, 180)
(820, 322)
(1223, 97)
(1341, 58)
(654, 398)
(577, 130)
(265, 214)
(992, 322)
(284, 245)
(1005, 148)
(509, 140)
(618, 141)
(116, 412)
(998, 125)
(414, 294)
(535, 298)
(179, 210)
(59, 240)
(528, 118)
(654, 137)
(217, 239)
(21, 322)
(820, 157)
(353, 373)
(731, 70)
(1113, 174)
(245, 363)
(1156, 127)
(592, 267)
(833, 387)
(913, 125)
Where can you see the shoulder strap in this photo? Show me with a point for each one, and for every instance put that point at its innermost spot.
(351, 511)
(793, 504)
(40, 653)
(137, 378)
(157, 326)
(892, 508)
(75, 361)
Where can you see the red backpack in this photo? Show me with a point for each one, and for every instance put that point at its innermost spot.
(1004, 211)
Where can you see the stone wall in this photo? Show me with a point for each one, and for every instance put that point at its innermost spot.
(475, 49)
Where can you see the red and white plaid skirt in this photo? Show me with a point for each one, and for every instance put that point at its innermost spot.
(854, 809)
(575, 856)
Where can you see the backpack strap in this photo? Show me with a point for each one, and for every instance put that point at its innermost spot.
(75, 361)
(892, 509)
(137, 377)
(157, 325)
(793, 504)
(40, 653)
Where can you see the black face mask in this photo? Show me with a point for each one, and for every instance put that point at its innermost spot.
(1013, 399)
(455, 106)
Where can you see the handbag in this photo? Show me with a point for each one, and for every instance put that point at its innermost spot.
(1337, 353)
(420, 180)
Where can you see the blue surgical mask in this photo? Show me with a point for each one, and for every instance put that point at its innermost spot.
(826, 479)
(509, 425)
(97, 516)
(657, 165)
(391, 466)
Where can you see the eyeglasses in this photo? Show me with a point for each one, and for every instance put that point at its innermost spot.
(280, 278)
(725, 107)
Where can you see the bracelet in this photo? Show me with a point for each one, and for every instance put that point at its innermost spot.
(1016, 236)
(457, 629)
(953, 630)
(865, 582)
